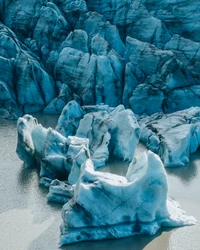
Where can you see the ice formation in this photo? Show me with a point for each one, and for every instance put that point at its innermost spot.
(107, 206)
(173, 136)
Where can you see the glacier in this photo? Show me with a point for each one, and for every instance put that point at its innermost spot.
(123, 52)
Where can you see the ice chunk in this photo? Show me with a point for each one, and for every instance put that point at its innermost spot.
(110, 133)
(173, 136)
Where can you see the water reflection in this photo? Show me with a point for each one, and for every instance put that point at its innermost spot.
(46, 120)
(115, 166)
(28, 179)
(27, 175)
(119, 167)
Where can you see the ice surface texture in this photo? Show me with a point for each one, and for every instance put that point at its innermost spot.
(142, 54)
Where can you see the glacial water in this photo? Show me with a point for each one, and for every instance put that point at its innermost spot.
(27, 222)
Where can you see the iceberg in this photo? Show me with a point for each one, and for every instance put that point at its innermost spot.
(107, 206)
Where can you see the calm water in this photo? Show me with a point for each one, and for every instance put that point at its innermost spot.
(27, 222)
